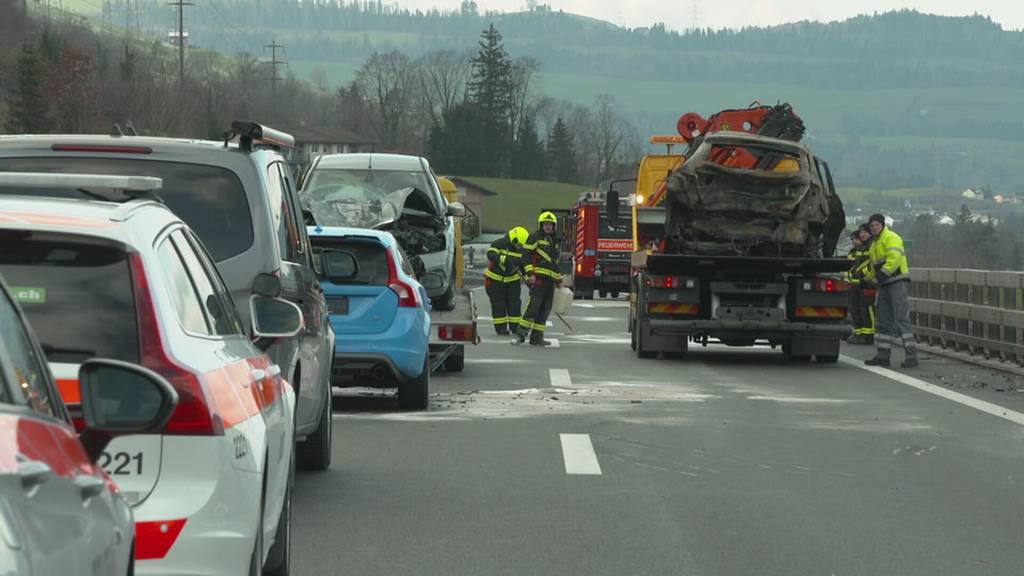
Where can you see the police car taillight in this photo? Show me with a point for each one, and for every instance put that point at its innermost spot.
(194, 415)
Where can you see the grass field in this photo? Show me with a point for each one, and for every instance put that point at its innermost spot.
(520, 201)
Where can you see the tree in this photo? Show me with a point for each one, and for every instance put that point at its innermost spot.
(70, 88)
(27, 112)
(457, 144)
(528, 159)
(386, 80)
(561, 154)
(610, 131)
(490, 88)
(442, 77)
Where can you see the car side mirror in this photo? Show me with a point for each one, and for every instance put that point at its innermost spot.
(339, 267)
(120, 398)
(267, 285)
(457, 209)
(274, 317)
(612, 206)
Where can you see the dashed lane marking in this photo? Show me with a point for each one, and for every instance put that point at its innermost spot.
(578, 453)
(560, 378)
(969, 401)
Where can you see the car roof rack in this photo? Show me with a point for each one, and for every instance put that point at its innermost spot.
(251, 134)
(97, 186)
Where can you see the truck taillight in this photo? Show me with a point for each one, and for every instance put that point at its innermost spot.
(194, 414)
(824, 285)
(669, 282)
(406, 293)
(458, 333)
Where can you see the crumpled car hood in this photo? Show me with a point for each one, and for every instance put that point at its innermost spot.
(373, 214)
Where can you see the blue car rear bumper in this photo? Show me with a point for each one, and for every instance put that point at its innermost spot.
(402, 347)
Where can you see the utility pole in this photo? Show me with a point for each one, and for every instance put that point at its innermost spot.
(181, 42)
(274, 62)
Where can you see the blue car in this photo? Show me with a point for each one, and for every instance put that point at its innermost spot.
(379, 312)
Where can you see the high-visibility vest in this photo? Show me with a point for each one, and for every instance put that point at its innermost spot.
(889, 257)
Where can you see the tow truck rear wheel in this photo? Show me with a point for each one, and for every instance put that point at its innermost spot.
(603, 293)
(456, 361)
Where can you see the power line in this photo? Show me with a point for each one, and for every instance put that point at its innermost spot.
(181, 41)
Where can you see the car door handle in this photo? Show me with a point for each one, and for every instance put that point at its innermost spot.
(34, 473)
(89, 486)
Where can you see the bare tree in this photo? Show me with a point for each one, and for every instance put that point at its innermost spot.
(524, 70)
(386, 80)
(441, 79)
(610, 130)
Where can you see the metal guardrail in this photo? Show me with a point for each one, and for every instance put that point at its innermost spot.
(976, 311)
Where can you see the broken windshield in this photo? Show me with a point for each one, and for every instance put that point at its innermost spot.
(367, 198)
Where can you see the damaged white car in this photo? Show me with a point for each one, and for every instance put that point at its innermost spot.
(395, 193)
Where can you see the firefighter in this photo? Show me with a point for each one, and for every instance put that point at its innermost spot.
(501, 279)
(860, 277)
(892, 273)
(540, 262)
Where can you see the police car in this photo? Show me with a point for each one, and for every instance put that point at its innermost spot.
(126, 279)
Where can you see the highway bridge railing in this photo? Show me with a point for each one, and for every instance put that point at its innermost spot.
(980, 312)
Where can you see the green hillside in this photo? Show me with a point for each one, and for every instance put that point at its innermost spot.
(518, 202)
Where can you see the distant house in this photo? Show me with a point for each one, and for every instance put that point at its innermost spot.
(946, 220)
(311, 142)
(472, 195)
(972, 194)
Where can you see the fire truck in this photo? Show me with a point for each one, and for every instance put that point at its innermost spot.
(600, 248)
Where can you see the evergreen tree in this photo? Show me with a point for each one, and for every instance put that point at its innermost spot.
(457, 145)
(528, 158)
(490, 88)
(27, 112)
(561, 155)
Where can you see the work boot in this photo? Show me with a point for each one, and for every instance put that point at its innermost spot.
(878, 360)
(542, 342)
(855, 340)
(520, 336)
(501, 330)
(910, 362)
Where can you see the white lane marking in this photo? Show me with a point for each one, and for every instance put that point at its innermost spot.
(495, 361)
(549, 323)
(555, 343)
(969, 401)
(560, 378)
(579, 456)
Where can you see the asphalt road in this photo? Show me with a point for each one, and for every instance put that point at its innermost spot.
(730, 462)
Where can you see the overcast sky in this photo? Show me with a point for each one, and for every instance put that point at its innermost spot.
(679, 14)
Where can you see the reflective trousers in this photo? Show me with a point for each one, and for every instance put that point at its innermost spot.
(862, 312)
(538, 308)
(893, 317)
(506, 304)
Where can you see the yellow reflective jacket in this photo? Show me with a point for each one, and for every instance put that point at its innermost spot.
(503, 261)
(540, 256)
(889, 258)
(861, 268)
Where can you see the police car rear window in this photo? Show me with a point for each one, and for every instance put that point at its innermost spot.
(76, 293)
(211, 200)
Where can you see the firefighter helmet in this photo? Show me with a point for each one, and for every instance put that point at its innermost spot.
(519, 235)
(547, 217)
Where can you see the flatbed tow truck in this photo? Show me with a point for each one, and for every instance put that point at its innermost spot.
(452, 330)
(734, 240)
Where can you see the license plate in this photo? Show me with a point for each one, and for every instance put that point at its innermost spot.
(337, 305)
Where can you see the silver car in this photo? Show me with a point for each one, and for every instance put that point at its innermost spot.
(390, 192)
(240, 200)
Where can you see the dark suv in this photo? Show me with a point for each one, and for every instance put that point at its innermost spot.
(239, 198)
